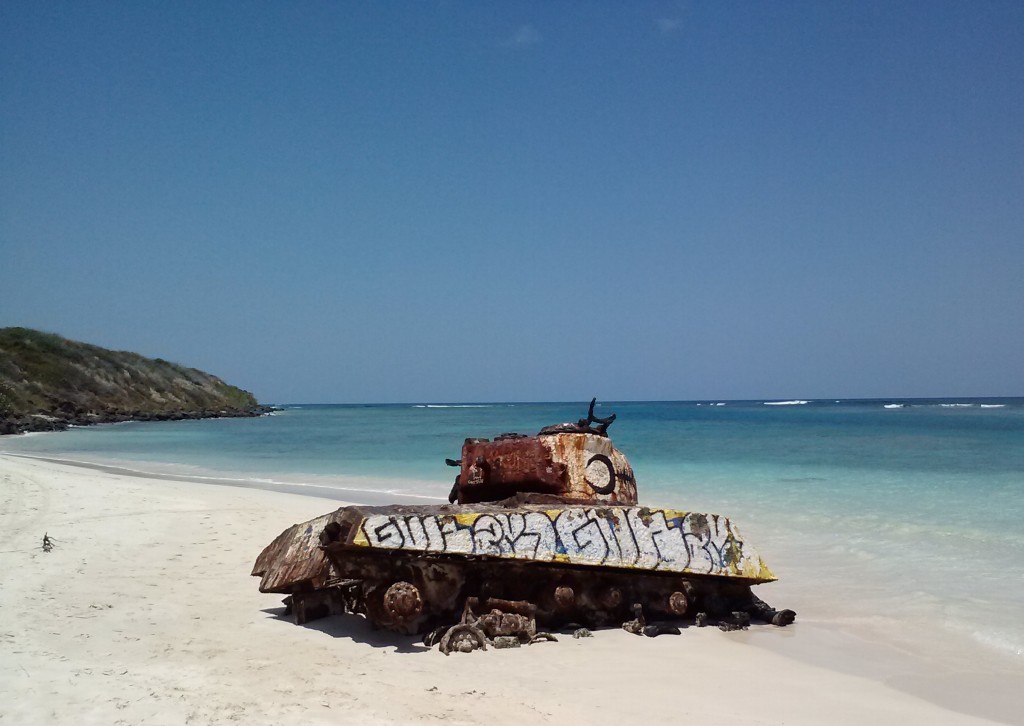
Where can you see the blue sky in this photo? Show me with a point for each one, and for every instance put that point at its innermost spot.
(463, 201)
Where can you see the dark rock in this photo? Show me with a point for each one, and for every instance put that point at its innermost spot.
(655, 629)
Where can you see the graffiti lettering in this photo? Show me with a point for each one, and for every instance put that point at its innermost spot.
(633, 537)
(581, 537)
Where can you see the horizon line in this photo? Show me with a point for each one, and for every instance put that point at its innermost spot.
(760, 399)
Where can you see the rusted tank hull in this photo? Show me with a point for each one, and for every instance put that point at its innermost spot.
(546, 531)
(294, 561)
(561, 593)
(589, 565)
(629, 538)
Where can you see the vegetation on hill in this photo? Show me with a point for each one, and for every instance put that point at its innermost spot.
(48, 383)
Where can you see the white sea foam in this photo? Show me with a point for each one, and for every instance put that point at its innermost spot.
(455, 405)
(193, 473)
(956, 405)
(458, 405)
(895, 405)
(993, 405)
(785, 403)
(999, 640)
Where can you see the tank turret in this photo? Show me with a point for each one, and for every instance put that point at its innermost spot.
(573, 462)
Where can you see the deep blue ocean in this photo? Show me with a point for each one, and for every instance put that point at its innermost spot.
(886, 514)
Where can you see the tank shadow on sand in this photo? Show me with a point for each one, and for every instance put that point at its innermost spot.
(354, 628)
(358, 629)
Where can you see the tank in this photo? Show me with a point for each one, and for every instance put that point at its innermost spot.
(541, 531)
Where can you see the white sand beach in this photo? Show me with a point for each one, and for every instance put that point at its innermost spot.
(144, 613)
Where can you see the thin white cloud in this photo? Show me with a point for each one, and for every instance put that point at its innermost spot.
(526, 35)
(668, 25)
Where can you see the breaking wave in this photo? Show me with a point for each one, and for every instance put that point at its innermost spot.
(453, 405)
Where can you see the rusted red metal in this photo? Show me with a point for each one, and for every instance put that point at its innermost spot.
(493, 470)
(574, 461)
(403, 602)
(565, 598)
(582, 467)
(294, 561)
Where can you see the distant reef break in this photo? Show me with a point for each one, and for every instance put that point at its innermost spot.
(48, 383)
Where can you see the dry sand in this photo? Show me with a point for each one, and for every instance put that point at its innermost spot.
(144, 613)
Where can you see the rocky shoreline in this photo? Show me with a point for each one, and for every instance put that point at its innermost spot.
(50, 383)
(65, 417)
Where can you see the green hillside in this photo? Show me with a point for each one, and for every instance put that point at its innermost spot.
(48, 382)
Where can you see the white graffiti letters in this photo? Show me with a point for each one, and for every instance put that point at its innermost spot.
(586, 537)
(631, 537)
(523, 536)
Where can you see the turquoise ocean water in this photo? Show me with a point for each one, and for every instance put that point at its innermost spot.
(886, 515)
